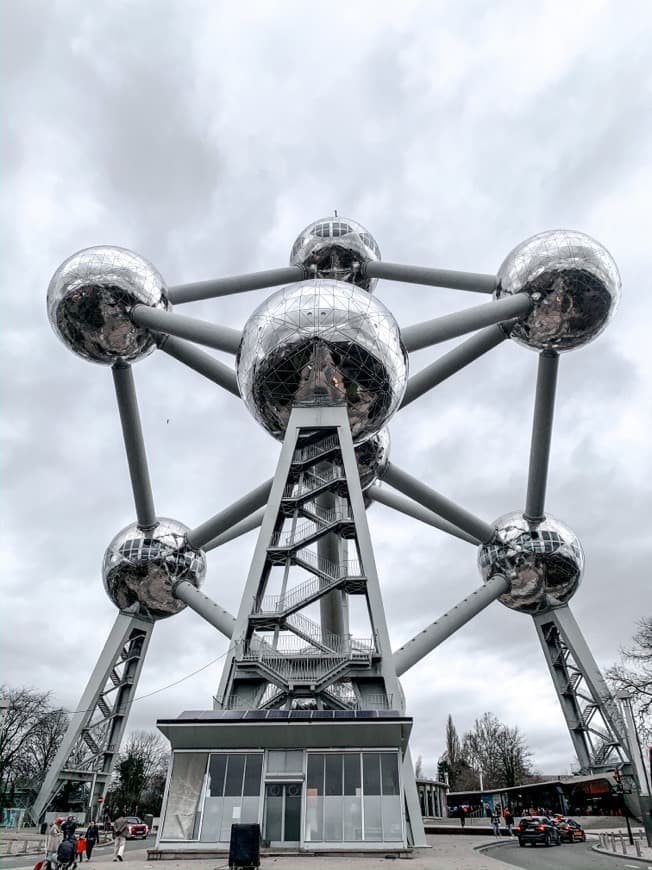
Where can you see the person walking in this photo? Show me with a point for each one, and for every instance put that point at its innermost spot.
(495, 823)
(81, 847)
(68, 828)
(119, 838)
(54, 837)
(462, 815)
(92, 837)
(509, 821)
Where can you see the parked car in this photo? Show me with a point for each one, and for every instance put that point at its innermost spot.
(537, 829)
(137, 829)
(570, 830)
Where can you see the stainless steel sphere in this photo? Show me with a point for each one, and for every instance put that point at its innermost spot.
(322, 342)
(90, 298)
(573, 282)
(141, 567)
(372, 457)
(336, 247)
(543, 561)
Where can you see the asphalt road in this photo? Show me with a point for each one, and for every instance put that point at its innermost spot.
(570, 856)
(103, 855)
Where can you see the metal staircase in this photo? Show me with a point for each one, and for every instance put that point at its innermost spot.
(280, 653)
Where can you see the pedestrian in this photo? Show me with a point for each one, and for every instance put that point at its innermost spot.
(119, 838)
(54, 837)
(509, 821)
(67, 853)
(92, 837)
(81, 847)
(495, 823)
(68, 828)
(462, 814)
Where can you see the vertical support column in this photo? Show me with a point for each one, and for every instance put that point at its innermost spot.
(571, 663)
(103, 710)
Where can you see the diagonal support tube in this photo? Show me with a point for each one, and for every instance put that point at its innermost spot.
(235, 284)
(201, 362)
(453, 362)
(132, 432)
(434, 501)
(211, 334)
(544, 409)
(237, 530)
(440, 329)
(412, 509)
(239, 510)
(437, 632)
(478, 283)
(208, 609)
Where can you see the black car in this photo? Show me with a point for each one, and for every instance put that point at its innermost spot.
(570, 830)
(537, 829)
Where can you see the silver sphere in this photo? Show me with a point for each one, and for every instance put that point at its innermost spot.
(326, 343)
(336, 248)
(141, 567)
(372, 457)
(543, 561)
(90, 298)
(574, 283)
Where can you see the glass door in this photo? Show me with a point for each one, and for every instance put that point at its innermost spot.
(283, 813)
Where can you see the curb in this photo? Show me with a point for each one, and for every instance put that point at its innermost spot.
(620, 855)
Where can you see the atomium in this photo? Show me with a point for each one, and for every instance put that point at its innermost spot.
(322, 342)
(141, 568)
(336, 248)
(90, 298)
(573, 282)
(542, 560)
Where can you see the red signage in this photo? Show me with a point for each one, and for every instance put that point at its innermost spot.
(100, 799)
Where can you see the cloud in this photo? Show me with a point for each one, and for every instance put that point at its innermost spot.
(205, 137)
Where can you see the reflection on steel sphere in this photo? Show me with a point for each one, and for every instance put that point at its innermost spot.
(542, 560)
(322, 342)
(336, 247)
(573, 282)
(141, 567)
(90, 298)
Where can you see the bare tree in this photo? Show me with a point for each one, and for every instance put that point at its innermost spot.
(499, 752)
(633, 674)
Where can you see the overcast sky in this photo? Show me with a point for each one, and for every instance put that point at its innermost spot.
(205, 136)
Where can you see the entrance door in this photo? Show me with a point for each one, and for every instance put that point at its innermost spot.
(283, 813)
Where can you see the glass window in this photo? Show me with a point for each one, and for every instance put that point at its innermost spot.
(233, 794)
(253, 770)
(333, 774)
(315, 777)
(340, 785)
(352, 773)
(371, 772)
(389, 773)
(182, 811)
(234, 775)
(216, 770)
(282, 761)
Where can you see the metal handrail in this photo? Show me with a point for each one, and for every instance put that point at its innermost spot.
(312, 481)
(304, 454)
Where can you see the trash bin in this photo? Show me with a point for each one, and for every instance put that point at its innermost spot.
(244, 849)
(44, 827)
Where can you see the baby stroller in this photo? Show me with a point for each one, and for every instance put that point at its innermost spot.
(67, 854)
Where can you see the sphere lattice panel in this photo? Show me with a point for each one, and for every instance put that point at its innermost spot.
(543, 561)
(141, 567)
(372, 457)
(90, 298)
(573, 282)
(336, 247)
(322, 342)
